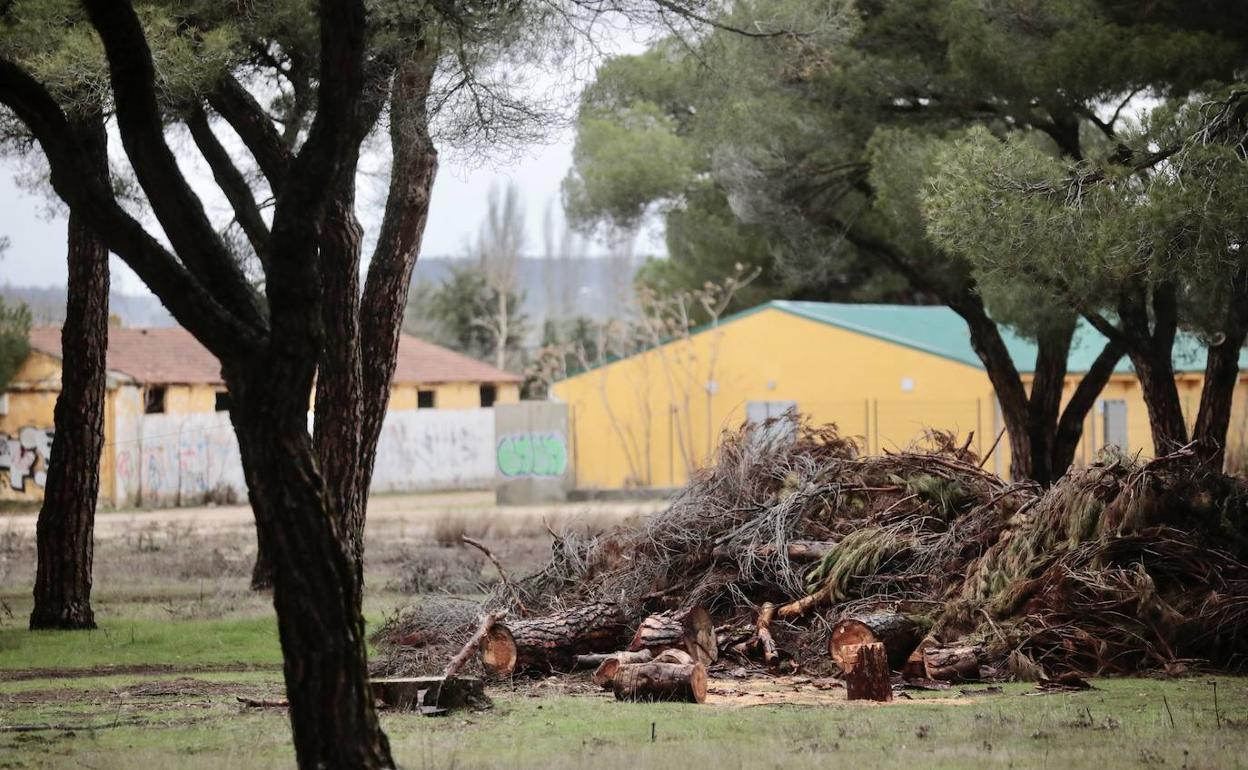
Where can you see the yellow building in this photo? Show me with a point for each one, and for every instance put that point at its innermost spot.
(883, 373)
(166, 371)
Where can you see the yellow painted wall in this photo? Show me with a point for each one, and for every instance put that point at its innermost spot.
(190, 399)
(628, 430)
(1126, 388)
(649, 419)
(450, 395)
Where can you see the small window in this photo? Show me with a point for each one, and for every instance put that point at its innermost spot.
(222, 402)
(154, 400)
(424, 399)
(489, 394)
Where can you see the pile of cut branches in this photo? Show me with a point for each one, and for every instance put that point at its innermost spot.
(1119, 567)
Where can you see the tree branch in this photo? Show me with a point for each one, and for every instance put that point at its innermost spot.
(231, 182)
(180, 292)
(176, 206)
(240, 109)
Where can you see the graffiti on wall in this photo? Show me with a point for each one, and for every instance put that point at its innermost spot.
(173, 459)
(26, 456)
(543, 455)
(435, 449)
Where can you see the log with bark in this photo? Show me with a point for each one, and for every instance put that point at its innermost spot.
(596, 659)
(868, 676)
(655, 681)
(689, 629)
(553, 642)
(952, 664)
(898, 633)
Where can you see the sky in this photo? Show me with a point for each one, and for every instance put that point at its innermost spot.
(36, 230)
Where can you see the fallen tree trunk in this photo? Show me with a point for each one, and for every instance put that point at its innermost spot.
(952, 664)
(897, 632)
(689, 629)
(552, 642)
(681, 682)
(867, 677)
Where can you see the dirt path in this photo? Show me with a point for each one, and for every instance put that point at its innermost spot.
(418, 510)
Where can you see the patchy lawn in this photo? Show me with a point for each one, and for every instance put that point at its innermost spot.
(181, 639)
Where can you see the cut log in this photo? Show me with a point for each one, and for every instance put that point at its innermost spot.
(430, 695)
(689, 629)
(681, 682)
(596, 659)
(952, 664)
(868, 675)
(473, 643)
(897, 632)
(606, 670)
(675, 656)
(551, 643)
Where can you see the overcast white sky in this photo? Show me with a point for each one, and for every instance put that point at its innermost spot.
(36, 256)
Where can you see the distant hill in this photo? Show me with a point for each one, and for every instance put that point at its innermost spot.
(47, 305)
(597, 287)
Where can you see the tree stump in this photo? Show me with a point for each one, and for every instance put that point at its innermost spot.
(897, 632)
(689, 629)
(952, 664)
(680, 682)
(553, 642)
(430, 695)
(868, 674)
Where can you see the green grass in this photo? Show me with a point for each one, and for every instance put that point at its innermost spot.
(138, 641)
(1122, 724)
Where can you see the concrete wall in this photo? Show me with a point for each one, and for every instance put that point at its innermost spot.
(165, 460)
(430, 449)
(532, 453)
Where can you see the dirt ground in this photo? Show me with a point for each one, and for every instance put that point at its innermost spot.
(412, 545)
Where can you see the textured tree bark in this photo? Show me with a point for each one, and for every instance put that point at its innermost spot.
(352, 398)
(1221, 375)
(1045, 400)
(868, 676)
(1070, 424)
(1149, 337)
(315, 594)
(952, 664)
(898, 633)
(1043, 436)
(552, 643)
(1003, 374)
(67, 516)
(339, 382)
(608, 663)
(680, 682)
(689, 629)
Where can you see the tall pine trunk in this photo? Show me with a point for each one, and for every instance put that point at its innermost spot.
(62, 595)
(1221, 376)
(315, 581)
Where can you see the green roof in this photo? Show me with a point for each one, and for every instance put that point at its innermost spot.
(938, 330)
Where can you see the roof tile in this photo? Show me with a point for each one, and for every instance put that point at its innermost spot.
(171, 355)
